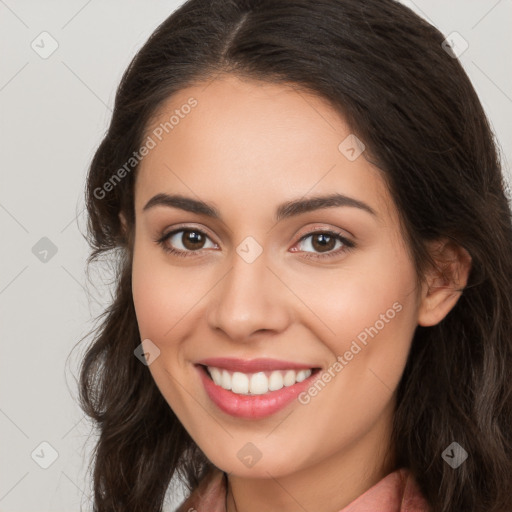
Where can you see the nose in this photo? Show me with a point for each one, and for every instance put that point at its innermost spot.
(248, 300)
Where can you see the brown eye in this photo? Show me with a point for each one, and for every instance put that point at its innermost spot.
(192, 240)
(184, 242)
(323, 244)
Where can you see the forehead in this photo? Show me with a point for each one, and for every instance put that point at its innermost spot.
(254, 142)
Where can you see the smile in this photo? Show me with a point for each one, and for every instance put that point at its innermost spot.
(254, 395)
(256, 383)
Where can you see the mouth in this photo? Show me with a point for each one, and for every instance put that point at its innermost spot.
(254, 395)
(256, 383)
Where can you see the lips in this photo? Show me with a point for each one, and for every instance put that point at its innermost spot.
(255, 406)
(254, 365)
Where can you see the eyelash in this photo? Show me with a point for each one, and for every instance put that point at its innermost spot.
(348, 245)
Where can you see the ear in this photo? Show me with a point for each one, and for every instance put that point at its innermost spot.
(124, 224)
(444, 284)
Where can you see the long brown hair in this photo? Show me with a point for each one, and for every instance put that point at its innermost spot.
(385, 70)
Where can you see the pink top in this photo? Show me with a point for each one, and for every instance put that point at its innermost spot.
(396, 492)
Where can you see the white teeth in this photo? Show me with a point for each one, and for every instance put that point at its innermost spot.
(256, 383)
(216, 375)
(289, 378)
(226, 380)
(240, 383)
(301, 375)
(275, 382)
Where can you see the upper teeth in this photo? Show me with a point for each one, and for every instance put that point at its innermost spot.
(256, 383)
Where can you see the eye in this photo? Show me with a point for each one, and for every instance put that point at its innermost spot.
(325, 242)
(192, 240)
(188, 240)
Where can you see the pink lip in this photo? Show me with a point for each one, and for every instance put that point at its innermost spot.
(252, 406)
(252, 365)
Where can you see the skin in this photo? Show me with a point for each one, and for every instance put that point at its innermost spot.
(246, 148)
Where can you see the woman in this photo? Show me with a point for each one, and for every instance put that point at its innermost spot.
(315, 257)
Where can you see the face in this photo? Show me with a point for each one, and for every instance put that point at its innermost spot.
(326, 286)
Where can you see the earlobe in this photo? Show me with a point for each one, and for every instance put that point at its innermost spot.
(122, 218)
(124, 226)
(443, 285)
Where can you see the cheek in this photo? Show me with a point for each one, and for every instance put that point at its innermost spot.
(162, 300)
(366, 317)
(163, 294)
(371, 322)
(153, 298)
(374, 291)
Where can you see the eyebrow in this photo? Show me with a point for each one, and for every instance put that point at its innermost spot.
(284, 211)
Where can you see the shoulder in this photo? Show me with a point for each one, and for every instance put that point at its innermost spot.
(396, 492)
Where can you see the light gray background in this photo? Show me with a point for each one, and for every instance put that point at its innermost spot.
(53, 115)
